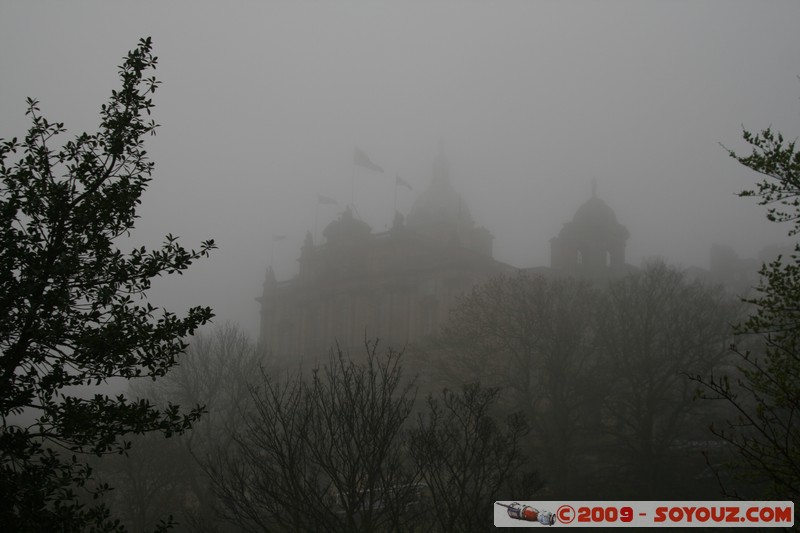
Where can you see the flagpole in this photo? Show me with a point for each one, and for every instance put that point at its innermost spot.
(353, 187)
(271, 250)
(316, 218)
(395, 198)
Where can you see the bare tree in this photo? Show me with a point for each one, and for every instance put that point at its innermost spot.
(159, 477)
(532, 336)
(655, 328)
(150, 482)
(467, 459)
(324, 453)
(218, 368)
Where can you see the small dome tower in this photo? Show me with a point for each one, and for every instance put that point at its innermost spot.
(593, 243)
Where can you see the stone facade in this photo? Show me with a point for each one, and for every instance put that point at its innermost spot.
(398, 285)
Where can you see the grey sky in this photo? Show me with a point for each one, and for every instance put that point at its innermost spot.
(263, 102)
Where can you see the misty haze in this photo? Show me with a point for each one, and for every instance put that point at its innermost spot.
(422, 258)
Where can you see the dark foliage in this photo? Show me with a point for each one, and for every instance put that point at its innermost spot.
(765, 392)
(72, 307)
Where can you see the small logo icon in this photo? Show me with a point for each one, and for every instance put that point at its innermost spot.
(529, 514)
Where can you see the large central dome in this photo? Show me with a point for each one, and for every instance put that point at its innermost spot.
(440, 214)
(440, 204)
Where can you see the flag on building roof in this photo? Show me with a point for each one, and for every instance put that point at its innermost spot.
(362, 160)
(400, 181)
(322, 199)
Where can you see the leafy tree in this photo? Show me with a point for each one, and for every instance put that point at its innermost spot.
(765, 393)
(72, 306)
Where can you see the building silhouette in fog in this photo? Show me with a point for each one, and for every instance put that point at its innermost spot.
(400, 285)
(592, 244)
(397, 285)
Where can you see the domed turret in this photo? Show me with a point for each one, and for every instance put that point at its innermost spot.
(595, 210)
(593, 243)
(595, 220)
(346, 230)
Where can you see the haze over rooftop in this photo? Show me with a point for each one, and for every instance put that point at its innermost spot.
(263, 103)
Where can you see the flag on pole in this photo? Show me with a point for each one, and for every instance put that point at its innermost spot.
(362, 160)
(403, 183)
(278, 237)
(322, 199)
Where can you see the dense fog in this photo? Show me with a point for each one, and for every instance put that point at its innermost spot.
(262, 105)
(465, 250)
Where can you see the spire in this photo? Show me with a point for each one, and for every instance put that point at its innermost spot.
(594, 187)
